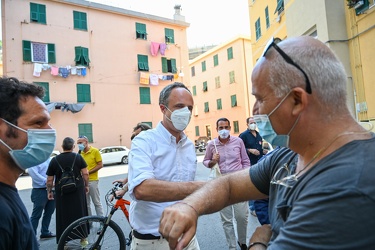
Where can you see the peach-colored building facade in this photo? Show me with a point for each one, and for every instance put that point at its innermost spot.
(103, 54)
(221, 87)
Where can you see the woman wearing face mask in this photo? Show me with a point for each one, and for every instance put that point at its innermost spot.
(230, 153)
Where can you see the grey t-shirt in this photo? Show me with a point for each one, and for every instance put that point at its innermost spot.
(332, 206)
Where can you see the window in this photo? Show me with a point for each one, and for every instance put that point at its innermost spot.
(38, 13)
(142, 63)
(267, 17)
(362, 8)
(219, 106)
(45, 85)
(231, 77)
(82, 56)
(205, 88)
(148, 123)
(233, 100)
(236, 127)
(168, 65)
(196, 130)
(193, 71)
(217, 82)
(80, 20)
(144, 95)
(216, 60)
(83, 93)
(38, 52)
(258, 32)
(140, 31)
(169, 35)
(230, 53)
(86, 130)
(194, 90)
(203, 66)
(206, 107)
(279, 7)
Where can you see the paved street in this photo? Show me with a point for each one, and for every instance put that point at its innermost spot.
(210, 233)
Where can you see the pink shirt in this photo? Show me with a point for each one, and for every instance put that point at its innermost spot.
(233, 156)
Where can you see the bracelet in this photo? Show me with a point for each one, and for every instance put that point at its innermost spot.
(189, 206)
(256, 243)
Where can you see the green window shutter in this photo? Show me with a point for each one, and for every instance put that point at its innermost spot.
(140, 29)
(142, 63)
(148, 123)
(205, 88)
(45, 86)
(86, 130)
(218, 104)
(267, 17)
(365, 6)
(26, 47)
(164, 65)
(76, 20)
(206, 107)
(203, 66)
(78, 54)
(51, 53)
(83, 93)
(230, 53)
(196, 130)
(216, 60)
(38, 13)
(83, 21)
(231, 77)
(80, 20)
(194, 90)
(169, 35)
(144, 95)
(193, 71)
(85, 54)
(236, 127)
(174, 67)
(280, 6)
(258, 31)
(233, 99)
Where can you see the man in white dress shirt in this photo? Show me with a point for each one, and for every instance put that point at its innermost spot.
(162, 165)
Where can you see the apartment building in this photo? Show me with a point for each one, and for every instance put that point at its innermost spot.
(221, 87)
(102, 67)
(346, 26)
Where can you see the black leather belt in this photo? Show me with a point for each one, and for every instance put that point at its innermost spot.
(145, 236)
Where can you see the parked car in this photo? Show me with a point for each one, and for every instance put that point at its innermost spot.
(114, 154)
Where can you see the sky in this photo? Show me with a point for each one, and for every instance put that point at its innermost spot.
(212, 22)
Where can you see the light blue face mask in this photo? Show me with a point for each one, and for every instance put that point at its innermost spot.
(40, 144)
(266, 130)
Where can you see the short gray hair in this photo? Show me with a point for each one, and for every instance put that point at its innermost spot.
(166, 92)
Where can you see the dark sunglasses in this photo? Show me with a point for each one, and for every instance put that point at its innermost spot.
(272, 43)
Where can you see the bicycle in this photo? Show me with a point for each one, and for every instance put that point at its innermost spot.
(98, 232)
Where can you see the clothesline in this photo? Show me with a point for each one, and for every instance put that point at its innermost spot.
(59, 71)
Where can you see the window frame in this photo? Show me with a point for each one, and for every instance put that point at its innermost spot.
(230, 53)
(81, 56)
(232, 77)
(205, 86)
(192, 69)
(197, 131)
(233, 101)
(204, 67)
(194, 90)
(267, 16)
(168, 65)
(236, 127)
(219, 104)
(169, 35)
(217, 82)
(216, 60)
(86, 130)
(206, 107)
(258, 30)
(28, 55)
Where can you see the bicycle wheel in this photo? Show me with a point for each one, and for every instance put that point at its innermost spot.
(84, 233)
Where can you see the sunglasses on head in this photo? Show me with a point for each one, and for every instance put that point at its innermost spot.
(273, 43)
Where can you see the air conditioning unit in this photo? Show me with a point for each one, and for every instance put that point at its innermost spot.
(278, 18)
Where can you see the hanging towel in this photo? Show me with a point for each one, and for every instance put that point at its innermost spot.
(64, 72)
(83, 71)
(154, 79)
(54, 70)
(144, 78)
(73, 71)
(154, 48)
(37, 69)
(163, 47)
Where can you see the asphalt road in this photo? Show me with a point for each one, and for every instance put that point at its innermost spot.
(210, 233)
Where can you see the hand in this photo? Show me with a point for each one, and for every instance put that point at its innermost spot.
(265, 151)
(216, 158)
(86, 189)
(261, 234)
(178, 225)
(50, 195)
(254, 151)
(123, 181)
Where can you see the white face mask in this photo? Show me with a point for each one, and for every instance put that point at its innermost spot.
(180, 118)
(252, 126)
(224, 133)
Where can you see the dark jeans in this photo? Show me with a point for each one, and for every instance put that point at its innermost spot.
(41, 202)
(261, 209)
